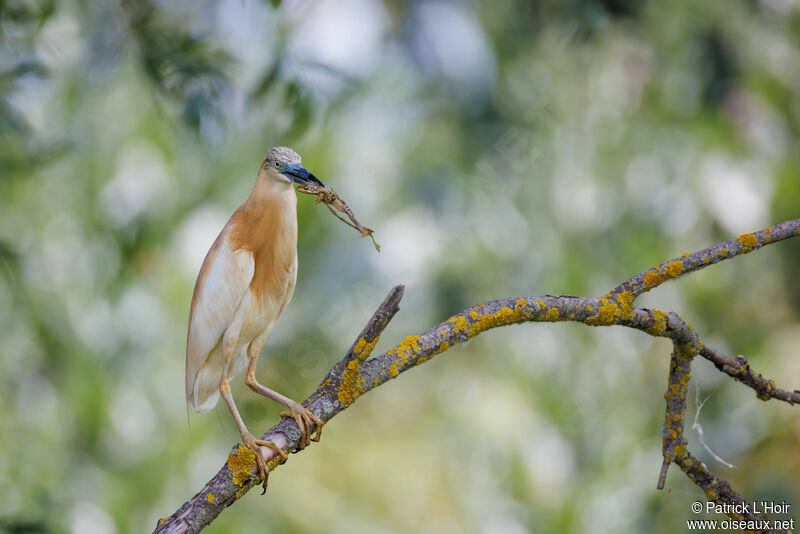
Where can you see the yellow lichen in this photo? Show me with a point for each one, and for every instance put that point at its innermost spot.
(674, 268)
(423, 359)
(241, 465)
(503, 316)
(473, 315)
(625, 299)
(210, 498)
(652, 278)
(360, 345)
(521, 303)
(163, 520)
(723, 252)
(364, 348)
(607, 314)
(460, 322)
(551, 315)
(411, 343)
(748, 240)
(275, 462)
(352, 383)
(659, 323)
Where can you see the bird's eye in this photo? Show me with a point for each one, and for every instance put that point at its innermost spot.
(278, 164)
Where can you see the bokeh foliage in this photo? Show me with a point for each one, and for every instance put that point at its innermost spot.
(497, 148)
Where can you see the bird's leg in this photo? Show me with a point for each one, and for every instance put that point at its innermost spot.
(301, 415)
(256, 345)
(247, 438)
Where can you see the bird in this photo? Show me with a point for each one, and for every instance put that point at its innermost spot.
(245, 282)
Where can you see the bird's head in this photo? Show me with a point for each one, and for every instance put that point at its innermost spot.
(283, 164)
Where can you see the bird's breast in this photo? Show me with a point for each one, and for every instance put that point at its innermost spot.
(268, 230)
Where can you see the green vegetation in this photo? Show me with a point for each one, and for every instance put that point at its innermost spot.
(496, 148)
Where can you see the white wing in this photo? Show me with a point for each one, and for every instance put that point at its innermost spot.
(223, 281)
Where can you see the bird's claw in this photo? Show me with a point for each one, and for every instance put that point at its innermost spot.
(263, 470)
(255, 446)
(304, 417)
(265, 443)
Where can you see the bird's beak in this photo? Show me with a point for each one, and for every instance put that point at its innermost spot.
(299, 175)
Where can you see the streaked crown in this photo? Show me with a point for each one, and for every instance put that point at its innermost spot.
(281, 154)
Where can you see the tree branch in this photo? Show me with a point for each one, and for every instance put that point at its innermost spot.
(355, 375)
(701, 259)
(739, 369)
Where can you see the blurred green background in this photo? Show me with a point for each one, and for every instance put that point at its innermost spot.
(498, 148)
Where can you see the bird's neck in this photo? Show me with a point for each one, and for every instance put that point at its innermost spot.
(266, 226)
(270, 213)
(270, 194)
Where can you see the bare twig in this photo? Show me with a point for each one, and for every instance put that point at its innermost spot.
(739, 369)
(355, 374)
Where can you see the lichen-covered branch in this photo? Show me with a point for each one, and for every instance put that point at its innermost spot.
(672, 438)
(739, 369)
(695, 261)
(357, 373)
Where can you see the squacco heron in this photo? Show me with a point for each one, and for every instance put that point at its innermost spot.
(246, 281)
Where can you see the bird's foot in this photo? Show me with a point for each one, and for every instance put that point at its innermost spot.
(255, 445)
(304, 417)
